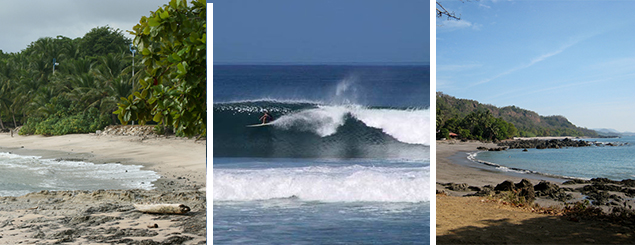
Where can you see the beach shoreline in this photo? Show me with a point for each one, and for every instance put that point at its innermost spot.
(479, 219)
(108, 216)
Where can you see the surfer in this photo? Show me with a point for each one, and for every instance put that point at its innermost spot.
(264, 117)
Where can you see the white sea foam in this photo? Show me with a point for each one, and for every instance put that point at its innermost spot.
(326, 184)
(323, 120)
(23, 174)
(408, 126)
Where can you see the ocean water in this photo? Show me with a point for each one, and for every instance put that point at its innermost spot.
(20, 175)
(345, 161)
(613, 162)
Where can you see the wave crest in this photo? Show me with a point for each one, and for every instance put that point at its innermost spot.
(408, 126)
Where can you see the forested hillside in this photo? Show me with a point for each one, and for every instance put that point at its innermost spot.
(527, 123)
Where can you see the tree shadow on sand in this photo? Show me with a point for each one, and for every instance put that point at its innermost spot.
(543, 230)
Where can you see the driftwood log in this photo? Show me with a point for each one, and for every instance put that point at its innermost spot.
(162, 208)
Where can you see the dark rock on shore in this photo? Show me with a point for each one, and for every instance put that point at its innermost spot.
(487, 190)
(482, 148)
(544, 144)
(507, 185)
(526, 189)
(456, 187)
(551, 190)
(599, 190)
(523, 189)
(576, 181)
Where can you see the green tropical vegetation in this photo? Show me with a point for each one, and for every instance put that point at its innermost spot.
(172, 90)
(61, 85)
(473, 120)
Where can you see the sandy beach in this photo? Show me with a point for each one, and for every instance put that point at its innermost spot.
(108, 216)
(474, 219)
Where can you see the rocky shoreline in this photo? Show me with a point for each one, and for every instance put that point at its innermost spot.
(608, 195)
(103, 216)
(544, 144)
(109, 216)
(548, 144)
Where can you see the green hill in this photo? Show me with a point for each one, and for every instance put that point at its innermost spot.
(528, 123)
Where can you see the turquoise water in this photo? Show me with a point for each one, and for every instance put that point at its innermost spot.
(613, 162)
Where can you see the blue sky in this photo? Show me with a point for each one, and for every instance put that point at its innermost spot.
(325, 31)
(570, 58)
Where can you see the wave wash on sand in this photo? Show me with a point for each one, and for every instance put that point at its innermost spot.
(108, 216)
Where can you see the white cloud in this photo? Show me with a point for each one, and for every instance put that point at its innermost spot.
(455, 24)
(454, 68)
(484, 6)
(531, 62)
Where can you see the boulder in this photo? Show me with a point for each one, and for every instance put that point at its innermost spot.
(487, 190)
(458, 187)
(526, 190)
(545, 188)
(507, 185)
(551, 190)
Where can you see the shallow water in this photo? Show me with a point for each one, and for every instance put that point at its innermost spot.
(20, 175)
(613, 162)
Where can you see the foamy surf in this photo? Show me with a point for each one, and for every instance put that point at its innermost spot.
(20, 175)
(324, 183)
(410, 126)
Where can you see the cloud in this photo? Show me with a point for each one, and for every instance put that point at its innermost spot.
(531, 62)
(455, 68)
(484, 6)
(457, 24)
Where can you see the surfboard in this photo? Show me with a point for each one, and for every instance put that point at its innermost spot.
(259, 125)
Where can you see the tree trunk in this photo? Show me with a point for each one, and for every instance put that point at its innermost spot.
(162, 208)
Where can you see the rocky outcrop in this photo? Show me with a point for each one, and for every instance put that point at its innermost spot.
(507, 185)
(523, 189)
(458, 187)
(128, 130)
(551, 190)
(544, 144)
(482, 148)
(487, 190)
(603, 191)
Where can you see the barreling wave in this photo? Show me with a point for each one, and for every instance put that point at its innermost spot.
(324, 184)
(309, 129)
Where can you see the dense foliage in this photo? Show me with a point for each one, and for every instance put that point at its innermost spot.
(478, 125)
(528, 123)
(172, 90)
(62, 85)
